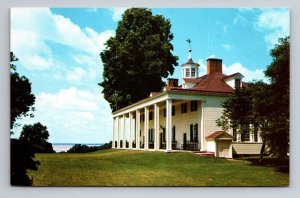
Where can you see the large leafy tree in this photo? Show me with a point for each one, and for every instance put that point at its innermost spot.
(22, 100)
(265, 106)
(21, 97)
(279, 74)
(137, 57)
(37, 135)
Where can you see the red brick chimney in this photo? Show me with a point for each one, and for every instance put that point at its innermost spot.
(214, 65)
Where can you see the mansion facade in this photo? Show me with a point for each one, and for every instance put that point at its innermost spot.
(183, 117)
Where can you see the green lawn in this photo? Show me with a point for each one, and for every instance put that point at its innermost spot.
(139, 168)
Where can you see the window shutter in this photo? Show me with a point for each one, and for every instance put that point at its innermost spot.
(173, 110)
(191, 132)
(195, 106)
(173, 133)
(182, 107)
(196, 131)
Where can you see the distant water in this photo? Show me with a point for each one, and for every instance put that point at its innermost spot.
(64, 147)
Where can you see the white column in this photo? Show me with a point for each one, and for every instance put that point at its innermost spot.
(113, 135)
(202, 138)
(238, 136)
(169, 125)
(138, 127)
(130, 130)
(118, 129)
(259, 139)
(156, 127)
(146, 128)
(251, 134)
(124, 132)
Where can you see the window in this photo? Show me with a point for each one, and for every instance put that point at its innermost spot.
(187, 72)
(173, 134)
(234, 134)
(142, 118)
(237, 83)
(255, 133)
(246, 133)
(173, 110)
(193, 72)
(151, 135)
(151, 115)
(194, 104)
(194, 132)
(164, 135)
(183, 107)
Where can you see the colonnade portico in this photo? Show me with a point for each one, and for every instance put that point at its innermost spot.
(134, 128)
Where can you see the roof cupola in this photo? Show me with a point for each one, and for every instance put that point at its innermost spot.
(190, 69)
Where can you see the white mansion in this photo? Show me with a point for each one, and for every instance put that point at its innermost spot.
(183, 117)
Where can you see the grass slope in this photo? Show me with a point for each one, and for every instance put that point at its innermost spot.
(139, 168)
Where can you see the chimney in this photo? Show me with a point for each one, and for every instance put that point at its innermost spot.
(214, 65)
(172, 82)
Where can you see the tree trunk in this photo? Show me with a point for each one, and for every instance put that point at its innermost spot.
(261, 156)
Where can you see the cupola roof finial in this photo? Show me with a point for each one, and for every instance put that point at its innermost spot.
(190, 49)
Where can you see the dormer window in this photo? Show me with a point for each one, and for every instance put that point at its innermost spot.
(237, 83)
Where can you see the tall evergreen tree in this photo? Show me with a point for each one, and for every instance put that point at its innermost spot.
(137, 57)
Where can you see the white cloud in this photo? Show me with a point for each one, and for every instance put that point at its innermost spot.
(276, 22)
(227, 46)
(117, 13)
(73, 115)
(249, 75)
(33, 28)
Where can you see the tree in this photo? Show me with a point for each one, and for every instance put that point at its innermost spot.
(22, 159)
(22, 100)
(37, 135)
(237, 111)
(21, 97)
(265, 106)
(279, 74)
(249, 107)
(137, 57)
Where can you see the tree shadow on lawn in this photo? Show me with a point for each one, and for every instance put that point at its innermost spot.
(279, 165)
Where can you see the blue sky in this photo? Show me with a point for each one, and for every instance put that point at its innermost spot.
(58, 50)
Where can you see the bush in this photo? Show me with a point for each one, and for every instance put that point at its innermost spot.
(81, 148)
(22, 155)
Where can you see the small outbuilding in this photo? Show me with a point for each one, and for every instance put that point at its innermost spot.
(220, 143)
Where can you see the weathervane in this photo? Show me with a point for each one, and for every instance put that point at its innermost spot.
(189, 42)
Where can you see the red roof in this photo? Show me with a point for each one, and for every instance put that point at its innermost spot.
(238, 73)
(219, 134)
(210, 83)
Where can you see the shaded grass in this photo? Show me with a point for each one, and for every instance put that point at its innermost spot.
(140, 168)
